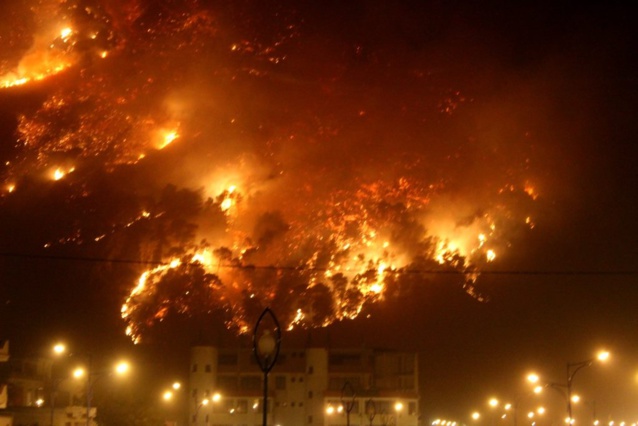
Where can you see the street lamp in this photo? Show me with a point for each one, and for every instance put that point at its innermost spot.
(565, 389)
(572, 369)
(168, 396)
(204, 402)
(120, 369)
(398, 409)
(58, 349)
(493, 402)
(266, 350)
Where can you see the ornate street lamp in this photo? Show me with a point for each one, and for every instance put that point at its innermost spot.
(266, 349)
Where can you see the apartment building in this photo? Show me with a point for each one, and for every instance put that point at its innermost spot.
(32, 396)
(307, 386)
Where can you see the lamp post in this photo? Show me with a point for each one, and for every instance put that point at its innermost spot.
(572, 369)
(493, 402)
(58, 349)
(266, 350)
(517, 400)
(348, 395)
(203, 403)
(120, 369)
(168, 395)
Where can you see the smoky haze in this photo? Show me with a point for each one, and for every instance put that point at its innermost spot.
(308, 157)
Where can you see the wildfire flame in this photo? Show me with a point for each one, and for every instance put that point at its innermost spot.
(308, 199)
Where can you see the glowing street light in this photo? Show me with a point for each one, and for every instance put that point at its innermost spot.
(204, 402)
(493, 402)
(57, 350)
(566, 388)
(119, 369)
(476, 415)
(122, 368)
(575, 367)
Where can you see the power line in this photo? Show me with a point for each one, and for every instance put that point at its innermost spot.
(317, 269)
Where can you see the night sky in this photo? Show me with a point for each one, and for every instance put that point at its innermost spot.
(418, 120)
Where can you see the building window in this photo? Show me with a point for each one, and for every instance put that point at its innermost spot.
(280, 382)
(227, 359)
(227, 384)
(301, 379)
(194, 368)
(309, 419)
(293, 379)
(207, 368)
(344, 359)
(311, 369)
(309, 394)
(250, 382)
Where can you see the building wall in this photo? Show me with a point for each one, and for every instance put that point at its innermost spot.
(5, 418)
(307, 386)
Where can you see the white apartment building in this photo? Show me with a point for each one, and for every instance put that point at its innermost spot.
(308, 386)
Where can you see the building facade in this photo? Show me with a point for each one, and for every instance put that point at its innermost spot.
(5, 418)
(309, 386)
(35, 397)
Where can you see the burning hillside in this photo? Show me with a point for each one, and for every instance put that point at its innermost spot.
(272, 164)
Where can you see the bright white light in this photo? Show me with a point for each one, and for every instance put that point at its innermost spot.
(59, 348)
(603, 356)
(122, 368)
